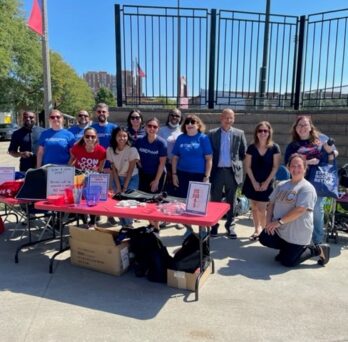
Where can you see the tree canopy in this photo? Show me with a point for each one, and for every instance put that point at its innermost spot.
(21, 72)
(104, 95)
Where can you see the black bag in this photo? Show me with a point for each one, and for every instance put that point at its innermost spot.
(343, 176)
(151, 256)
(187, 258)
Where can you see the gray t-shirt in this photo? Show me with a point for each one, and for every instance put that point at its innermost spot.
(287, 196)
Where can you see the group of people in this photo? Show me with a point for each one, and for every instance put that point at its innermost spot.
(147, 156)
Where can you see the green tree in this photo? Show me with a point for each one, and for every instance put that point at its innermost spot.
(21, 74)
(105, 95)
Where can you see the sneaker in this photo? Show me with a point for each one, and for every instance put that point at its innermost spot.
(231, 234)
(277, 257)
(214, 230)
(324, 255)
(112, 221)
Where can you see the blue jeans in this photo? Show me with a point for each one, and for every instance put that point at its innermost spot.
(318, 216)
(132, 185)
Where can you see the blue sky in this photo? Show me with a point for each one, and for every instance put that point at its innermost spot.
(82, 31)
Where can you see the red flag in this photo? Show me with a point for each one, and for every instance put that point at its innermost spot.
(35, 19)
(140, 72)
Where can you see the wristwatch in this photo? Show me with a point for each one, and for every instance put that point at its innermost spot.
(280, 221)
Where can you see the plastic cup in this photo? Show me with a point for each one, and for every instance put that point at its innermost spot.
(69, 197)
(77, 192)
(92, 195)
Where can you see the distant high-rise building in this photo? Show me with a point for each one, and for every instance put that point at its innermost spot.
(99, 79)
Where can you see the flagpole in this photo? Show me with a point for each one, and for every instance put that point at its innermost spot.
(46, 64)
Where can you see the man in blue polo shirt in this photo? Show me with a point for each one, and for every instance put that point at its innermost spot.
(24, 142)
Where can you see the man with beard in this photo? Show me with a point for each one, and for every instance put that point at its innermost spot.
(103, 127)
(82, 123)
(170, 132)
(24, 142)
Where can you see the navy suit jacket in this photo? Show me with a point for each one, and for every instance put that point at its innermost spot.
(238, 150)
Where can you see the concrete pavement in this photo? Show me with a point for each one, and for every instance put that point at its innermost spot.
(249, 298)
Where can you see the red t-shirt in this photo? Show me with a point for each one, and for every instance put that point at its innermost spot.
(88, 160)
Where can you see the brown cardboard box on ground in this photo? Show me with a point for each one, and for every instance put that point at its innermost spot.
(97, 250)
(187, 281)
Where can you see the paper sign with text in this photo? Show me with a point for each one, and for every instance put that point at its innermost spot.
(101, 179)
(197, 198)
(59, 178)
(7, 174)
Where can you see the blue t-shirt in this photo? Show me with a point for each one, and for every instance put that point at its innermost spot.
(77, 131)
(56, 145)
(150, 153)
(104, 136)
(104, 133)
(191, 151)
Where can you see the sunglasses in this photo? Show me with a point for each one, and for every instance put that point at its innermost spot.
(83, 116)
(175, 116)
(262, 131)
(55, 117)
(190, 121)
(152, 126)
(101, 111)
(135, 117)
(87, 136)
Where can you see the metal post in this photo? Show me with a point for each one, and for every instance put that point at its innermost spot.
(118, 55)
(46, 64)
(299, 66)
(263, 69)
(178, 57)
(212, 53)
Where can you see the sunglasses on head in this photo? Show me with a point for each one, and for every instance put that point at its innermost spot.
(88, 136)
(55, 117)
(101, 111)
(152, 126)
(135, 117)
(262, 131)
(190, 121)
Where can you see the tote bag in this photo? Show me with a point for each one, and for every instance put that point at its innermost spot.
(324, 178)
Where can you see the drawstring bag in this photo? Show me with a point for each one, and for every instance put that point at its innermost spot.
(10, 188)
(324, 178)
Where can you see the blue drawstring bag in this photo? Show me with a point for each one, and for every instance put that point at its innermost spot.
(324, 178)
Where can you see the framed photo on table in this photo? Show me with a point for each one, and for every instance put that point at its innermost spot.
(197, 198)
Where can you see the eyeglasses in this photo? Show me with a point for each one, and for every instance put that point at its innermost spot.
(190, 121)
(83, 116)
(101, 111)
(262, 131)
(152, 126)
(55, 117)
(87, 136)
(175, 116)
(135, 117)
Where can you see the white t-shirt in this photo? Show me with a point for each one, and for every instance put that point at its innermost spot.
(121, 159)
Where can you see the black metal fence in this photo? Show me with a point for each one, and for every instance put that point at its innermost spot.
(192, 57)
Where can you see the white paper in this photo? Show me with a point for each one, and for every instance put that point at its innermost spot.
(59, 178)
(197, 198)
(101, 179)
(7, 174)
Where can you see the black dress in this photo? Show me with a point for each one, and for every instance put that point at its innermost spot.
(261, 166)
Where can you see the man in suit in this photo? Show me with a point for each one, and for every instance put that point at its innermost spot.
(229, 147)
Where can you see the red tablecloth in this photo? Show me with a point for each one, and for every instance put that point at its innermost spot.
(215, 212)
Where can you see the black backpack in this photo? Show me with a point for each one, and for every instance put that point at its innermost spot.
(187, 258)
(343, 176)
(151, 258)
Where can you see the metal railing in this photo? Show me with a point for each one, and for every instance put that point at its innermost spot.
(190, 57)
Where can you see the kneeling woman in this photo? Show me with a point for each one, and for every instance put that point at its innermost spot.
(289, 223)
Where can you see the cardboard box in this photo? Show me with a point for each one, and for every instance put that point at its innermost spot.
(97, 250)
(187, 281)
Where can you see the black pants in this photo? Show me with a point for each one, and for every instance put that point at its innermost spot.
(289, 254)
